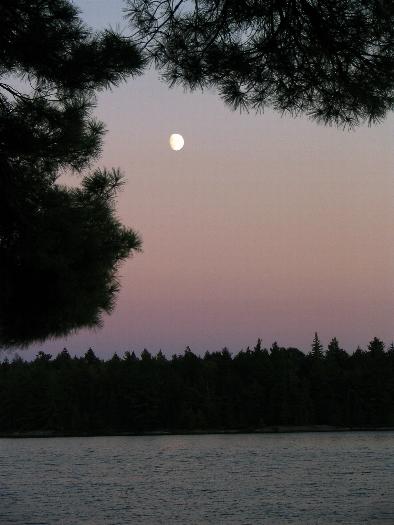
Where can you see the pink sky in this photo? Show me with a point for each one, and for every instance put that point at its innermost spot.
(262, 226)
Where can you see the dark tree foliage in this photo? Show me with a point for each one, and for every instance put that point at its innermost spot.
(59, 247)
(332, 60)
(60, 259)
(317, 347)
(255, 389)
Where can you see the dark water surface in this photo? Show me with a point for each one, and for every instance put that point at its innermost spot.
(219, 479)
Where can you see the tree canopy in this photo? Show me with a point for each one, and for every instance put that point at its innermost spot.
(256, 388)
(332, 60)
(60, 247)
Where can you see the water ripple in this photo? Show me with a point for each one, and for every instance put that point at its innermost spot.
(220, 479)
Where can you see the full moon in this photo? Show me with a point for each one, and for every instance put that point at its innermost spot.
(176, 142)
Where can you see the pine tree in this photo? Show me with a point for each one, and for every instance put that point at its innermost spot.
(376, 346)
(90, 357)
(331, 60)
(335, 353)
(59, 247)
(333, 345)
(317, 347)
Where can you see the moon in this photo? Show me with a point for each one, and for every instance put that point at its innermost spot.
(176, 142)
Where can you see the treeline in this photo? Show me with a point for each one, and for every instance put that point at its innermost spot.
(255, 388)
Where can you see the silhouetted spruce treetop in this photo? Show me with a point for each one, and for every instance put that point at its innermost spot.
(332, 60)
(317, 347)
(90, 357)
(60, 248)
(335, 353)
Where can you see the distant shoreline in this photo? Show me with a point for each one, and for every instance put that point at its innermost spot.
(277, 429)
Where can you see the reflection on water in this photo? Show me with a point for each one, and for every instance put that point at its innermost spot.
(221, 479)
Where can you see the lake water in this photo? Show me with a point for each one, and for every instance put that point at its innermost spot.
(302, 478)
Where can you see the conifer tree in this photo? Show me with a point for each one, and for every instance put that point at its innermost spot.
(333, 345)
(335, 352)
(193, 392)
(332, 60)
(376, 346)
(59, 247)
(317, 347)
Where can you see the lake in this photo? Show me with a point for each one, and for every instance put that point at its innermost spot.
(316, 478)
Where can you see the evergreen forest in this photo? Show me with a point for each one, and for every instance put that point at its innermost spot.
(255, 389)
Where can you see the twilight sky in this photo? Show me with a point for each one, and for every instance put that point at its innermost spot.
(262, 226)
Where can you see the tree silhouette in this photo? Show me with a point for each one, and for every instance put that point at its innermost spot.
(59, 247)
(332, 60)
(317, 347)
(376, 346)
(253, 389)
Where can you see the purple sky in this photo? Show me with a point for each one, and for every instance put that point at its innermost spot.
(262, 226)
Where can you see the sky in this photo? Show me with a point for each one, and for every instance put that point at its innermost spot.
(262, 226)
